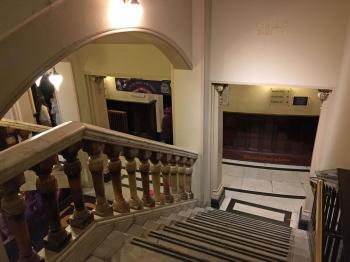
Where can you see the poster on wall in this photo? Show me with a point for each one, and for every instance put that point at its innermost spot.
(144, 86)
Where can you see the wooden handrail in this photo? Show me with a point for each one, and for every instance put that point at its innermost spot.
(29, 153)
(319, 222)
(16, 124)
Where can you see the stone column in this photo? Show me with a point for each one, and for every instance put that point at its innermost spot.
(188, 178)
(95, 149)
(46, 184)
(114, 167)
(181, 178)
(144, 156)
(165, 169)
(13, 207)
(174, 178)
(72, 167)
(155, 172)
(134, 202)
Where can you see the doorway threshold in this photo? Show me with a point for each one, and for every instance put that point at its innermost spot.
(265, 165)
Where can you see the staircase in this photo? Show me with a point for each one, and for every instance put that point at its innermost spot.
(168, 226)
(203, 234)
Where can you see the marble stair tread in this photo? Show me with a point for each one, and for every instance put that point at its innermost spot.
(183, 248)
(214, 247)
(164, 220)
(224, 215)
(176, 217)
(243, 224)
(228, 242)
(234, 231)
(135, 253)
(234, 237)
(152, 225)
(94, 259)
(113, 242)
(136, 230)
(248, 228)
(185, 213)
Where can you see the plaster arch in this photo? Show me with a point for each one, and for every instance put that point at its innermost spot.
(56, 31)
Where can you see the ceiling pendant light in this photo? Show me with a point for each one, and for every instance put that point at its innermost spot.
(56, 79)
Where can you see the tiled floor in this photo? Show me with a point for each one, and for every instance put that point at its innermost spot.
(265, 180)
(281, 182)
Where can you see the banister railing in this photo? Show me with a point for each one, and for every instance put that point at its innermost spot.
(39, 153)
(20, 125)
(329, 227)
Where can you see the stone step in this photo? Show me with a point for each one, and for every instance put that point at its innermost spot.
(215, 246)
(248, 228)
(227, 216)
(137, 251)
(243, 233)
(252, 242)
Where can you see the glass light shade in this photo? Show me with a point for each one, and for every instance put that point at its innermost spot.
(125, 13)
(56, 79)
(37, 82)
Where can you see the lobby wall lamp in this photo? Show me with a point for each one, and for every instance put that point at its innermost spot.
(56, 79)
(125, 13)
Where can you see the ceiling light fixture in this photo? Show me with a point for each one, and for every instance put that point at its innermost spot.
(56, 79)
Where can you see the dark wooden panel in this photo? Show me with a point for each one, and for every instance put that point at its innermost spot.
(269, 138)
(141, 117)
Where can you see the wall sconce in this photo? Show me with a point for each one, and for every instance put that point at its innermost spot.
(323, 94)
(125, 13)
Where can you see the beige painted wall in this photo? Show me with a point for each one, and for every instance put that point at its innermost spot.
(334, 139)
(23, 109)
(66, 95)
(117, 60)
(256, 99)
(278, 42)
(125, 60)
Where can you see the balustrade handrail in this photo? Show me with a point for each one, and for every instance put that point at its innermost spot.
(16, 124)
(21, 157)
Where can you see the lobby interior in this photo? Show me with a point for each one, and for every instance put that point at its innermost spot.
(246, 99)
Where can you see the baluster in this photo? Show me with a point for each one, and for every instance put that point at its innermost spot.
(130, 154)
(24, 134)
(13, 207)
(188, 178)
(72, 168)
(181, 178)
(115, 166)
(173, 178)
(9, 137)
(155, 172)
(46, 184)
(95, 149)
(144, 156)
(166, 178)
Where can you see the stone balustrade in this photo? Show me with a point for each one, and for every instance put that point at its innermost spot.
(167, 165)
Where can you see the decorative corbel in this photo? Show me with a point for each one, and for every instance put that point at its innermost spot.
(323, 94)
(220, 88)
